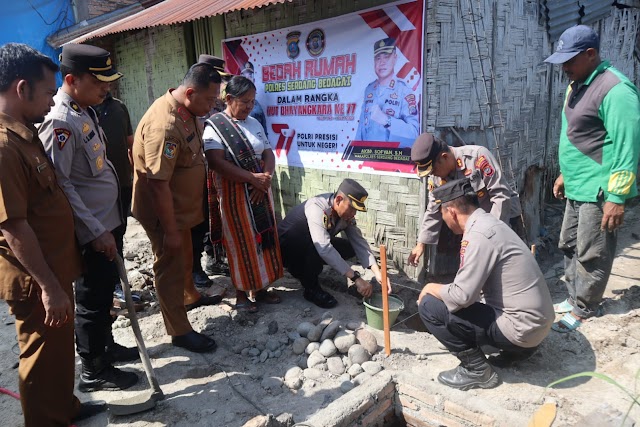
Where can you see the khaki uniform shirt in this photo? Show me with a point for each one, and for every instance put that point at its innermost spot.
(168, 146)
(74, 140)
(494, 194)
(323, 226)
(497, 266)
(28, 190)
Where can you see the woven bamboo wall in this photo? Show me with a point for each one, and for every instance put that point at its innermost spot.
(152, 61)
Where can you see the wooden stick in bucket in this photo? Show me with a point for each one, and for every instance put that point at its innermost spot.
(385, 301)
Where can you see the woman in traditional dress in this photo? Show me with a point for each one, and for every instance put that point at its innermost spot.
(239, 153)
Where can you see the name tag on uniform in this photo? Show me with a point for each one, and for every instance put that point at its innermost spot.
(190, 137)
(41, 167)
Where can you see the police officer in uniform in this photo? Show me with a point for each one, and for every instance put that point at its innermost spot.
(167, 196)
(257, 112)
(77, 145)
(499, 296)
(390, 109)
(39, 256)
(308, 240)
(440, 163)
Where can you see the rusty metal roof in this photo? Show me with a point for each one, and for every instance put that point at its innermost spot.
(173, 12)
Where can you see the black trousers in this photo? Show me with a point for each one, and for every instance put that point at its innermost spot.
(94, 298)
(305, 264)
(467, 328)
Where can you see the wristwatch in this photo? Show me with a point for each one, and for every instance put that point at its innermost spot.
(386, 125)
(355, 277)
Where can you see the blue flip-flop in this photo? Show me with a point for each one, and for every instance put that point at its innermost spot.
(563, 307)
(567, 323)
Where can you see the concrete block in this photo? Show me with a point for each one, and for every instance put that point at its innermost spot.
(345, 412)
(473, 417)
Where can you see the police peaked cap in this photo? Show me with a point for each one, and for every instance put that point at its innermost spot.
(355, 193)
(84, 58)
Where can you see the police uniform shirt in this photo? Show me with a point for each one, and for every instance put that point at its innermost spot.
(399, 103)
(168, 147)
(494, 194)
(76, 143)
(28, 190)
(312, 222)
(251, 128)
(497, 265)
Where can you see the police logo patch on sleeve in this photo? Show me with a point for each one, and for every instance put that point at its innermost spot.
(411, 102)
(483, 164)
(62, 136)
(170, 149)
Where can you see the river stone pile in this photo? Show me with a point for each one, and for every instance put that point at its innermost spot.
(329, 350)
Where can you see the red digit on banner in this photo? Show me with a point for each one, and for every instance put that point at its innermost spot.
(285, 138)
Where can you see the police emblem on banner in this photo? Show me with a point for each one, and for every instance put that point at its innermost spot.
(315, 42)
(293, 50)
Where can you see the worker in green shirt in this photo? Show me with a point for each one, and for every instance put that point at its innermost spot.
(598, 153)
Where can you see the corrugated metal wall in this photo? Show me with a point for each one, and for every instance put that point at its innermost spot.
(152, 61)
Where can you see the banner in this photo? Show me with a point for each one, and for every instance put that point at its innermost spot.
(343, 93)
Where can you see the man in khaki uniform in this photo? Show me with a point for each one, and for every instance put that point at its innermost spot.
(39, 257)
(167, 195)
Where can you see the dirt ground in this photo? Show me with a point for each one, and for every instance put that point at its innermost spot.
(227, 388)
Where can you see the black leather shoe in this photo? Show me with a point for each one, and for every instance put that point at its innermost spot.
(119, 353)
(213, 268)
(193, 341)
(98, 374)
(89, 409)
(320, 298)
(201, 280)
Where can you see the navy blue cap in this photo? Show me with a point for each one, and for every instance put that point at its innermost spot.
(355, 192)
(89, 59)
(573, 41)
(424, 151)
(387, 45)
(452, 190)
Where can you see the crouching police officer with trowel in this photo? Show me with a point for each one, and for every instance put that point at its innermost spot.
(308, 240)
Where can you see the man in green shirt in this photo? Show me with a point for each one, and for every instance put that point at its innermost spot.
(598, 153)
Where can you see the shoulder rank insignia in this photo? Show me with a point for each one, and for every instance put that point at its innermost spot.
(75, 106)
(62, 136)
(459, 163)
(183, 113)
